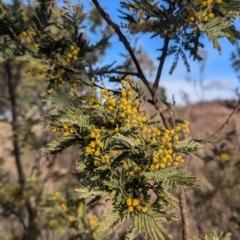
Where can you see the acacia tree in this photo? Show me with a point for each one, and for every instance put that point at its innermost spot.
(30, 207)
(127, 157)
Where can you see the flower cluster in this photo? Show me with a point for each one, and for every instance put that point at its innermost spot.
(124, 106)
(185, 127)
(92, 222)
(29, 38)
(62, 205)
(66, 54)
(224, 157)
(123, 114)
(39, 69)
(95, 149)
(125, 109)
(72, 53)
(206, 10)
(136, 204)
(193, 13)
(63, 129)
(164, 155)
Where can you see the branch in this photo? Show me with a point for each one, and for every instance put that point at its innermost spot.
(155, 97)
(18, 42)
(125, 42)
(102, 72)
(32, 228)
(164, 53)
(117, 72)
(155, 103)
(101, 87)
(31, 231)
(184, 216)
(224, 124)
(45, 180)
(161, 63)
(12, 210)
(16, 148)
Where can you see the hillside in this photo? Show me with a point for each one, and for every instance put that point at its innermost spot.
(205, 118)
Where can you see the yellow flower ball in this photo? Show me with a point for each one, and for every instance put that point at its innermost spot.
(135, 202)
(69, 55)
(130, 209)
(103, 161)
(97, 153)
(211, 15)
(54, 129)
(129, 93)
(65, 134)
(162, 165)
(129, 78)
(92, 135)
(176, 138)
(71, 218)
(178, 128)
(224, 157)
(92, 144)
(139, 207)
(88, 150)
(164, 160)
(157, 166)
(129, 202)
(97, 163)
(144, 209)
(75, 52)
(191, 18)
(144, 119)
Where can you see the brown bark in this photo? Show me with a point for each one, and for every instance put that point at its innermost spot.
(184, 215)
(12, 82)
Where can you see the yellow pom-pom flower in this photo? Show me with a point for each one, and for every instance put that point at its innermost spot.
(129, 202)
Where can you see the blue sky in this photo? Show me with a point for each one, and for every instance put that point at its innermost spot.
(219, 79)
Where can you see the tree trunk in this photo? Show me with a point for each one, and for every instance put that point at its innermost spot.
(12, 82)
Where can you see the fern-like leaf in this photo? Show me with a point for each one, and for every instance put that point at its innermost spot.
(111, 221)
(85, 193)
(57, 146)
(172, 178)
(151, 225)
(216, 236)
(62, 101)
(187, 145)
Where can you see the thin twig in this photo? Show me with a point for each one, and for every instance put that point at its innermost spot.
(184, 215)
(164, 54)
(125, 42)
(102, 72)
(45, 180)
(208, 139)
(101, 87)
(155, 96)
(12, 210)
(161, 63)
